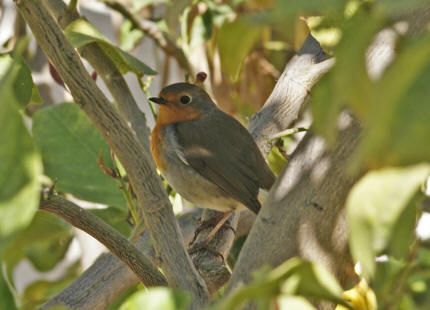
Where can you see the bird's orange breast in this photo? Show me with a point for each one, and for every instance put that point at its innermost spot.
(168, 114)
(157, 145)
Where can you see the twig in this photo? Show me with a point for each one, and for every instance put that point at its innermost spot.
(153, 31)
(114, 241)
(287, 132)
(72, 5)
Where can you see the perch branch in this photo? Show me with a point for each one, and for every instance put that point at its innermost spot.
(86, 293)
(114, 241)
(136, 159)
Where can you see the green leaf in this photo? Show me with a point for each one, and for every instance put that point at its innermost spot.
(398, 123)
(7, 300)
(46, 254)
(22, 85)
(348, 83)
(294, 277)
(158, 298)
(386, 278)
(276, 160)
(128, 36)
(81, 32)
(309, 7)
(35, 96)
(70, 146)
(351, 82)
(286, 302)
(20, 166)
(232, 51)
(375, 208)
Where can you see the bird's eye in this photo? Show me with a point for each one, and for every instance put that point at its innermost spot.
(185, 99)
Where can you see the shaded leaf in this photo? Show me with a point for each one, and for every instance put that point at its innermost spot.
(286, 302)
(276, 160)
(398, 122)
(159, 298)
(115, 218)
(400, 6)
(22, 84)
(45, 241)
(20, 164)
(375, 206)
(6, 297)
(235, 40)
(351, 82)
(386, 278)
(46, 254)
(348, 82)
(309, 7)
(81, 32)
(70, 146)
(294, 277)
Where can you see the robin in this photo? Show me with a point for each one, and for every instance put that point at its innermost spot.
(206, 155)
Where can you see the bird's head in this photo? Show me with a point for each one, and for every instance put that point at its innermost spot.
(182, 102)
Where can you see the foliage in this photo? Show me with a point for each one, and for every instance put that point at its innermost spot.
(244, 45)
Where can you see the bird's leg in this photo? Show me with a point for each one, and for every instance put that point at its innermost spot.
(216, 221)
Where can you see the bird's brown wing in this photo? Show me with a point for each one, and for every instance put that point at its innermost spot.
(221, 150)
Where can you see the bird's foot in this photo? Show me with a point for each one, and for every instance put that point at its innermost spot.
(204, 246)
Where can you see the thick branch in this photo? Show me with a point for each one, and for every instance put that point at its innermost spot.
(290, 94)
(114, 241)
(136, 159)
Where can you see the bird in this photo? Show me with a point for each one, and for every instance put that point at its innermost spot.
(206, 155)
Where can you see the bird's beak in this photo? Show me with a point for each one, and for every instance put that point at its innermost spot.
(158, 100)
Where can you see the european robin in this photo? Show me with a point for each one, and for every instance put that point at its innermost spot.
(206, 155)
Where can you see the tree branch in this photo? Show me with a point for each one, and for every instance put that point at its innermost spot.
(114, 241)
(106, 69)
(136, 159)
(86, 293)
